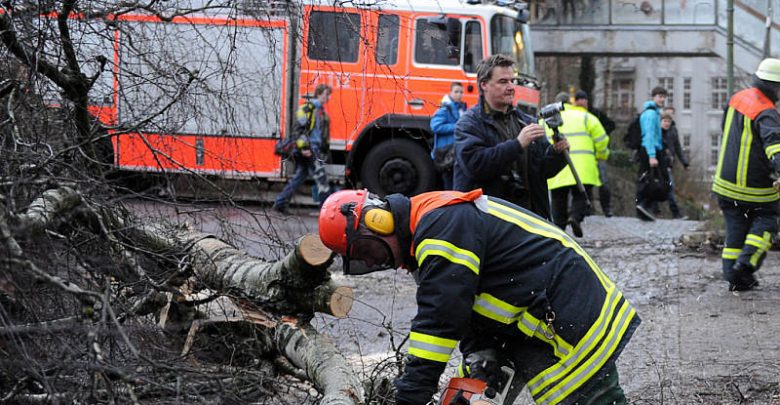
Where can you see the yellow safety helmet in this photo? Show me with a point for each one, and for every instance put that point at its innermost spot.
(769, 70)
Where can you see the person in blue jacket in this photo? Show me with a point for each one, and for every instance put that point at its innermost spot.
(651, 153)
(443, 127)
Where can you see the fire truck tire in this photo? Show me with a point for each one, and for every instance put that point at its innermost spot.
(398, 166)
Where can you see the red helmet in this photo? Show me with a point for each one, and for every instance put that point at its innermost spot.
(363, 243)
(334, 213)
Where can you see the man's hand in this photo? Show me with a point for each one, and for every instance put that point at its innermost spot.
(776, 185)
(561, 145)
(653, 162)
(529, 133)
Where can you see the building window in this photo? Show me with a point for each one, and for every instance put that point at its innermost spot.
(436, 43)
(686, 93)
(623, 97)
(686, 146)
(473, 46)
(719, 93)
(334, 36)
(714, 150)
(668, 84)
(387, 40)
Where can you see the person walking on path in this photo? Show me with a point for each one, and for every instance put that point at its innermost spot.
(443, 127)
(605, 195)
(674, 153)
(651, 154)
(588, 144)
(311, 130)
(745, 180)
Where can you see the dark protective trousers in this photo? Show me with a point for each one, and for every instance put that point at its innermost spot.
(560, 204)
(749, 231)
(605, 196)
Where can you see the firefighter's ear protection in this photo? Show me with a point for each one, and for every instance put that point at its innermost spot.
(379, 221)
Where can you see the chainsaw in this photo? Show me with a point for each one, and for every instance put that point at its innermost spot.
(474, 391)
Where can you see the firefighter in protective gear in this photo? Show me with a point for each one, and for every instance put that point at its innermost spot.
(490, 275)
(588, 143)
(747, 165)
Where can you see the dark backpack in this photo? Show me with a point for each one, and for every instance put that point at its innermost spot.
(286, 147)
(633, 137)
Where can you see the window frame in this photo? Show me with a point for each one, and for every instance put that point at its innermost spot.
(458, 66)
(718, 93)
(397, 30)
(355, 38)
(481, 42)
(687, 88)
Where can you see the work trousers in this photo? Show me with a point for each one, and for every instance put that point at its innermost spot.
(305, 168)
(749, 231)
(605, 196)
(560, 204)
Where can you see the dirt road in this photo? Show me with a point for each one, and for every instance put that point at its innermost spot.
(697, 344)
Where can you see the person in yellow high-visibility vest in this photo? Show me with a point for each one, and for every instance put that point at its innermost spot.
(589, 143)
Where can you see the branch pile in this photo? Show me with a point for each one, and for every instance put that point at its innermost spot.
(204, 295)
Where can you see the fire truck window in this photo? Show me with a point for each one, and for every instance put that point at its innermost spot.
(435, 45)
(387, 40)
(334, 36)
(473, 46)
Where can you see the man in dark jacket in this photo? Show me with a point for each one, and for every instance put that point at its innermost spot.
(745, 178)
(674, 152)
(501, 149)
(512, 288)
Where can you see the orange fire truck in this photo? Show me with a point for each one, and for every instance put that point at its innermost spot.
(212, 93)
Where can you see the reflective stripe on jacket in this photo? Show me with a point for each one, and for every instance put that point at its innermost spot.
(744, 166)
(490, 268)
(587, 142)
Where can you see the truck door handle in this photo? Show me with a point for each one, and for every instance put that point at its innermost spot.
(416, 103)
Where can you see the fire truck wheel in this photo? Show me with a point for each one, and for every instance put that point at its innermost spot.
(398, 166)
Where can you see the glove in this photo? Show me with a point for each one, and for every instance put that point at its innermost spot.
(483, 365)
(776, 185)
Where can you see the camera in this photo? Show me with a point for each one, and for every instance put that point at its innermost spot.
(551, 114)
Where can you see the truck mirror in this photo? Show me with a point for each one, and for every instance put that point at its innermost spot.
(522, 16)
(440, 20)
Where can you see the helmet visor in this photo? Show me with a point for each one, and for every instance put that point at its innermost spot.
(367, 254)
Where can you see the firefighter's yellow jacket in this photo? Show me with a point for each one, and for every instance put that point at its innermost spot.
(493, 272)
(588, 143)
(751, 139)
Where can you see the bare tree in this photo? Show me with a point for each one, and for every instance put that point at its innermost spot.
(102, 303)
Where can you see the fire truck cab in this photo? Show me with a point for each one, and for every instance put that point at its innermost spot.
(226, 84)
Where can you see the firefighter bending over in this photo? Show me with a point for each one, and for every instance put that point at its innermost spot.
(490, 275)
(747, 165)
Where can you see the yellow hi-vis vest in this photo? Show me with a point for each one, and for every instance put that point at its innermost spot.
(587, 141)
(744, 170)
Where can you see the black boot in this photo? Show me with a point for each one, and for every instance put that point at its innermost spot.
(741, 277)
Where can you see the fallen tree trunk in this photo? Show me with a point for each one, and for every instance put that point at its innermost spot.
(298, 285)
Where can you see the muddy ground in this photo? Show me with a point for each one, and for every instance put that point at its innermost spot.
(698, 343)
